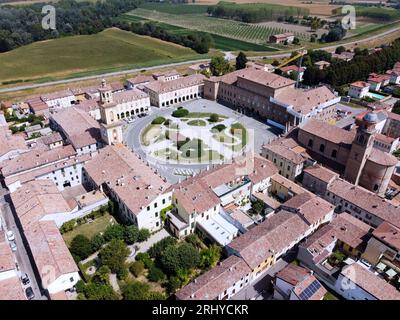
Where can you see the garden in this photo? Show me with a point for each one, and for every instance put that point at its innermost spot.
(194, 137)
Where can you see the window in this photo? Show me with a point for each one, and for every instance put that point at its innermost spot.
(310, 143)
(322, 148)
(334, 152)
(376, 187)
(156, 214)
(71, 279)
(288, 167)
(148, 208)
(157, 224)
(155, 205)
(163, 201)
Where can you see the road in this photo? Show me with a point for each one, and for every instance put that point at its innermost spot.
(171, 65)
(21, 255)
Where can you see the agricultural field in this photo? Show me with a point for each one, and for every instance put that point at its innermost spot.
(219, 42)
(247, 32)
(107, 51)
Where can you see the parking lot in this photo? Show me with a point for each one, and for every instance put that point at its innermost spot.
(262, 133)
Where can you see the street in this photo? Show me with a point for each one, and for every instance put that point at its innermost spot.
(21, 255)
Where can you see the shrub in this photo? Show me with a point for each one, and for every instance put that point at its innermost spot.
(214, 117)
(180, 113)
(156, 274)
(81, 247)
(219, 127)
(145, 258)
(167, 122)
(135, 290)
(68, 226)
(80, 286)
(131, 234)
(113, 255)
(136, 268)
(173, 284)
(158, 120)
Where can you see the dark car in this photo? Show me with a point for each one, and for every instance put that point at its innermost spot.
(29, 293)
(25, 279)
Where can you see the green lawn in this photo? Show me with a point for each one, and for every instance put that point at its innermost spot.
(107, 51)
(330, 296)
(198, 122)
(89, 229)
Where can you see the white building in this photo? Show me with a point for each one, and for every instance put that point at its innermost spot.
(359, 89)
(165, 93)
(59, 99)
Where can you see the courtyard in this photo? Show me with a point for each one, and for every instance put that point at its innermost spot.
(181, 146)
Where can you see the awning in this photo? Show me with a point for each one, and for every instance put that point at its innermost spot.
(381, 266)
(391, 273)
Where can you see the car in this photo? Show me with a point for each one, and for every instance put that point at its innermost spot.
(25, 279)
(29, 293)
(13, 246)
(10, 236)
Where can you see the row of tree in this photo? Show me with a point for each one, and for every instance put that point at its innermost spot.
(200, 43)
(21, 25)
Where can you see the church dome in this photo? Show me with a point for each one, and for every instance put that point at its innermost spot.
(371, 117)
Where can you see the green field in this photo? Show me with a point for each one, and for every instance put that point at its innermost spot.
(247, 32)
(220, 42)
(107, 51)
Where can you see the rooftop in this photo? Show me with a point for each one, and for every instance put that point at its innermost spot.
(10, 142)
(180, 83)
(328, 132)
(360, 84)
(321, 173)
(84, 131)
(371, 283)
(214, 282)
(389, 234)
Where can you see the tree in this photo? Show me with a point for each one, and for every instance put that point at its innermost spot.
(143, 235)
(97, 291)
(184, 256)
(257, 206)
(209, 257)
(102, 276)
(136, 268)
(135, 290)
(97, 242)
(81, 247)
(219, 66)
(396, 107)
(241, 61)
(157, 249)
(296, 40)
(114, 255)
(173, 284)
(131, 234)
(115, 231)
(180, 113)
(145, 258)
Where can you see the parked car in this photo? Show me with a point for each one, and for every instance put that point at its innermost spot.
(10, 236)
(13, 246)
(29, 293)
(25, 279)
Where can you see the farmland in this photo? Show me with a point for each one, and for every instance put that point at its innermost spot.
(219, 42)
(247, 32)
(107, 51)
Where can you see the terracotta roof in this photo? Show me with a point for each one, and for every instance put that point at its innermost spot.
(52, 138)
(264, 78)
(378, 77)
(371, 283)
(36, 158)
(303, 285)
(269, 237)
(214, 282)
(128, 176)
(6, 257)
(129, 95)
(322, 63)
(283, 35)
(305, 101)
(36, 199)
(37, 104)
(168, 86)
(57, 95)
(49, 251)
(366, 200)
(11, 289)
(382, 138)
(382, 158)
(328, 132)
(281, 147)
(140, 79)
(84, 131)
(389, 234)
(321, 173)
(88, 105)
(293, 68)
(311, 207)
(167, 73)
(289, 184)
(10, 142)
(360, 84)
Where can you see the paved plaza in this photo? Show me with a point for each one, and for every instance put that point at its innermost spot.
(174, 172)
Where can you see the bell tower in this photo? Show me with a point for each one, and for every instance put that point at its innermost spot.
(110, 126)
(361, 148)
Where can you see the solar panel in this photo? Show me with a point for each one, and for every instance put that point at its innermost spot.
(310, 290)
